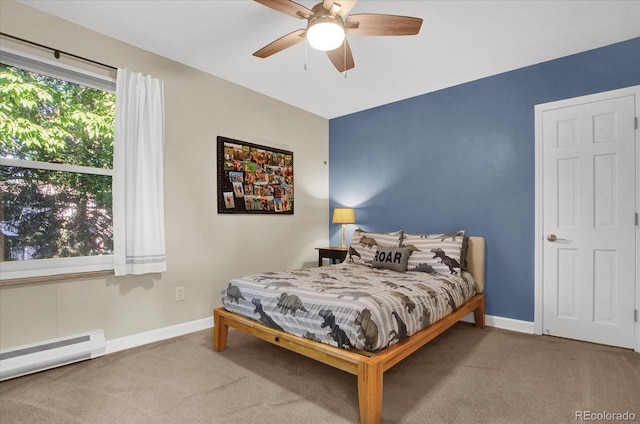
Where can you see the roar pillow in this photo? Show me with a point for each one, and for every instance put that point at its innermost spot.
(365, 244)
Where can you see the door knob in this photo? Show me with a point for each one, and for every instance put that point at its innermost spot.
(553, 237)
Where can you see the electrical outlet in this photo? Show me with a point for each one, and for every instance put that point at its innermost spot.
(179, 293)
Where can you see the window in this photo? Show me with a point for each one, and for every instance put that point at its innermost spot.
(56, 160)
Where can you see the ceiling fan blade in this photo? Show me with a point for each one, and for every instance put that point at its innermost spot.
(344, 5)
(282, 43)
(372, 24)
(288, 7)
(341, 57)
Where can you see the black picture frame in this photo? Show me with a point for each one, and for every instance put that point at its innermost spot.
(254, 179)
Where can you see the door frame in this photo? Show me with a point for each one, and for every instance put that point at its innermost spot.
(539, 201)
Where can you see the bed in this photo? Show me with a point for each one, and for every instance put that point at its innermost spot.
(316, 313)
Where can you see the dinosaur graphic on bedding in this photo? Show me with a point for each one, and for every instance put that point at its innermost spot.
(351, 306)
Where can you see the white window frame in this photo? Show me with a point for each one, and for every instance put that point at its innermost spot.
(11, 270)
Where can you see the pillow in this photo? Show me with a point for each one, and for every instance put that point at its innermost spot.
(434, 253)
(463, 253)
(363, 245)
(394, 258)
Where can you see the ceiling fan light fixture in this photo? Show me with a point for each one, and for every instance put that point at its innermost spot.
(325, 33)
(328, 22)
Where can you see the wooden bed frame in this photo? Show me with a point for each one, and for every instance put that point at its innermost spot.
(367, 366)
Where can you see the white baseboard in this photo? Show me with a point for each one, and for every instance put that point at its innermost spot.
(504, 323)
(157, 335)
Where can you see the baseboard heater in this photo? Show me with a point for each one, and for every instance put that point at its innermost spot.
(42, 356)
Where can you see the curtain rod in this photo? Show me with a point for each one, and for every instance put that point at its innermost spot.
(57, 52)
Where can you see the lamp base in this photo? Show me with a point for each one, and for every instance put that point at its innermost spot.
(344, 236)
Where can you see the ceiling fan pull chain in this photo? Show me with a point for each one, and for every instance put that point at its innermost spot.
(344, 49)
(305, 54)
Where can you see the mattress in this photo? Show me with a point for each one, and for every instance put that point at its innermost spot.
(348, 305)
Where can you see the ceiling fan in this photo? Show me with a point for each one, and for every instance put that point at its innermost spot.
(327, 26)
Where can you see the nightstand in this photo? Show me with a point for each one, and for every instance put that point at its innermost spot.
(332, 253)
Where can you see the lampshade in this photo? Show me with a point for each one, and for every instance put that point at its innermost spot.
(325, 33)
(343, 216)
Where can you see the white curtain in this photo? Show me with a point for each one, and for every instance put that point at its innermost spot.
(138, 181)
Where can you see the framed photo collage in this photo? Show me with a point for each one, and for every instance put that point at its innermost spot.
(254, 179)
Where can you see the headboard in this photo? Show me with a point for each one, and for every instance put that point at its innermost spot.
(475, 261)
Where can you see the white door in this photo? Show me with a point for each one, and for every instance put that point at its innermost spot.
(589, 218)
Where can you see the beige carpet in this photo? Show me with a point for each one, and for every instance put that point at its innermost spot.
(467, 375)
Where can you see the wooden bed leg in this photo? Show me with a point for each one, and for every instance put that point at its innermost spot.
(370, 391)
(220, 331)
(478, 315)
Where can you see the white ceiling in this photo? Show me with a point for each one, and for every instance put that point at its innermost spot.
(460, 41)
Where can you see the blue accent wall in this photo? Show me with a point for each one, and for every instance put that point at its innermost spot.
(463, 158)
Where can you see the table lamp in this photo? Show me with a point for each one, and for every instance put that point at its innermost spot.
(343, 216)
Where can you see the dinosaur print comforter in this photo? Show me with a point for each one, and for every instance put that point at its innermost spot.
(351, 306)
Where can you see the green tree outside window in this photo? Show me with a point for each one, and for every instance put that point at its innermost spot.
(54, 213)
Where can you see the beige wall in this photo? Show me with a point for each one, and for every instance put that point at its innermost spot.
(204, 249)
